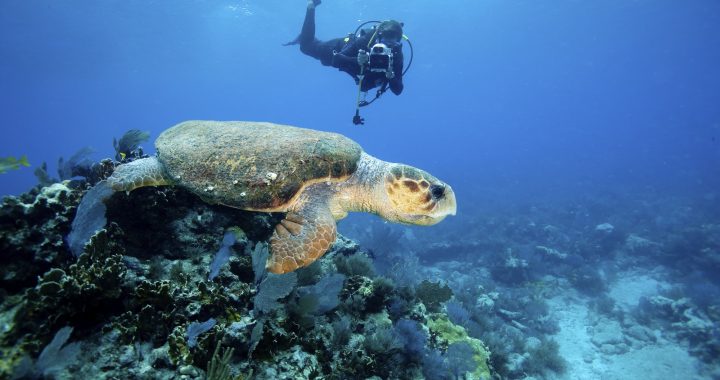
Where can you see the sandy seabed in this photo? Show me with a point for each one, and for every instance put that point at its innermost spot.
(587, 340)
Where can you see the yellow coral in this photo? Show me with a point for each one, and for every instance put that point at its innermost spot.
(450, 333)
(12, 356)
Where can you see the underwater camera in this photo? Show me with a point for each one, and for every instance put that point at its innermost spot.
(381, 59)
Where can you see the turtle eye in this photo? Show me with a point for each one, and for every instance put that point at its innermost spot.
(437, 191)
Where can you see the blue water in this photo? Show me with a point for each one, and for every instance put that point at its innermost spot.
(503, 98)
(522, 106)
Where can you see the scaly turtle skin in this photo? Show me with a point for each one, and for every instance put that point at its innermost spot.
(315, 177)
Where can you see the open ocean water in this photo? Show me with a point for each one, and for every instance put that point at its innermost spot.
(581, 140)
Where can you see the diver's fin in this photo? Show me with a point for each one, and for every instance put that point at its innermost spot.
(310, 13)
(293, 42)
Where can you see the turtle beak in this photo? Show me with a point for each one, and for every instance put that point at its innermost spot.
(446, 204)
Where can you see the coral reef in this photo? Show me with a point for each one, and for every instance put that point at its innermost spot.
(32, 228)
(160, 293)
(446, 334)
(176, 288)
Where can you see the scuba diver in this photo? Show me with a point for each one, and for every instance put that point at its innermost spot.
(373, 56)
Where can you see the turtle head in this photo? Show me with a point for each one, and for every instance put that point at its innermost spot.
(416, 197)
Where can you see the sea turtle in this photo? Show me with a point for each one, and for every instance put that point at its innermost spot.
(315, 177)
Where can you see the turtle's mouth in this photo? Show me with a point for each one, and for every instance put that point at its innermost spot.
(420, 220)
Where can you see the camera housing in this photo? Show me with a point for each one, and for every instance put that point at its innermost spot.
(380, 58)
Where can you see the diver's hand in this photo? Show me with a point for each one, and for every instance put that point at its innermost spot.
(362, 58)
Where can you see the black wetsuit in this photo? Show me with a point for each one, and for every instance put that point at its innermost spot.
(346, 57)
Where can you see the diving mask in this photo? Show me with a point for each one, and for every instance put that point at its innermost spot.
(390, 39)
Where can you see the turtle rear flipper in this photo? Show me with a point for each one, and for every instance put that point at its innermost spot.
(90, 215)
(301, 238)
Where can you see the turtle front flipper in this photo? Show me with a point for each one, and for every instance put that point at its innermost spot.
(90, 215)
(139, 173)
(301, 238)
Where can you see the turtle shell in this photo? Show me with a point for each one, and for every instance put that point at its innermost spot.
(253, 165)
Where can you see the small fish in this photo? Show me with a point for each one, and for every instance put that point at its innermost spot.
(12, 163)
